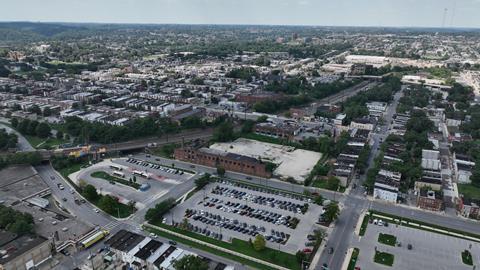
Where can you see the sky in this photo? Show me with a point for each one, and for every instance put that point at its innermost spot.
(406, 13)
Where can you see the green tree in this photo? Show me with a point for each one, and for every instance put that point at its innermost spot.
(190, 262)
(259, 243)
(301, 256)
(14, 122)
(43, 130)
(331, 212)
(220, 171)
(157, 212)
(203, 181)
(90, 193)
(108, 204)
(224, 132)
(59, 134)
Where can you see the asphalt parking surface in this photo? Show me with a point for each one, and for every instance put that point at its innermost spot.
(429, 250)
(239, 212)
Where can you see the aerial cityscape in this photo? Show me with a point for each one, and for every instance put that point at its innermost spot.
(198, 145)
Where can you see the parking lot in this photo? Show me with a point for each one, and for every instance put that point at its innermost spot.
(226, 210)
(413, 246)
(159, 178)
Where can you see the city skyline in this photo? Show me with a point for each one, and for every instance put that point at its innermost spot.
(377, 13)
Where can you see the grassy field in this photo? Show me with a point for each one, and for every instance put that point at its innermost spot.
(364, 225)
(353, 259)
(119, 210)
(387, 239)
(108, 177)
(324, 185)
(39, 143)
(470, 191)
(383, 258)
(467, 257)
(269, 255)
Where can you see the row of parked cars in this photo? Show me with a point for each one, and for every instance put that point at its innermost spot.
(247, 211)
(219, 221)
(262, 200)
(154, 166)
(265, 190)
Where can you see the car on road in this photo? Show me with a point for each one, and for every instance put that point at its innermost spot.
(330, 250)
(173, 243)
(324, 266)
(52, 177)
(96, 210)
(64, 199)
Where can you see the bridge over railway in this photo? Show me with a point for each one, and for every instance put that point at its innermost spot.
(95, 149)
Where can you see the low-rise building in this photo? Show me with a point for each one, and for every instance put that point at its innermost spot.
(23, 252)
(228, 161)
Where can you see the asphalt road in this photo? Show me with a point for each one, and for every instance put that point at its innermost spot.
(22, 144)
(353, 204)
(84, 211)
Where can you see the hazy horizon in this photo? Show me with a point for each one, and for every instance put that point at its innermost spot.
(342, 13)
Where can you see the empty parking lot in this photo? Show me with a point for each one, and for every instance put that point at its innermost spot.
(443, 252)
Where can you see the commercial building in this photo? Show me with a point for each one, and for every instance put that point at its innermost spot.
(228, 161)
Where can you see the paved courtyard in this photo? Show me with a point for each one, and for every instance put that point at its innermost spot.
(430, 250)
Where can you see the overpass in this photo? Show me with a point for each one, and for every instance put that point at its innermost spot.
(178, 138)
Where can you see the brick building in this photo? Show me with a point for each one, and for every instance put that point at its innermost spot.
(284, 130)
(228, 161)
(429, 200)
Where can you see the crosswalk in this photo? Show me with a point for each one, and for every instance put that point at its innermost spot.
(112, 225)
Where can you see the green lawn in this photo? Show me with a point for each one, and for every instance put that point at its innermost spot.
(270, 255)
(470, 191)
(108, 177)
(39, 143)
(74, 168)
(467, 257)
(324, 185)
(165, 151)
(119, 210)
(387, 239)
(364, 226)
(383, 258)
(353, 259)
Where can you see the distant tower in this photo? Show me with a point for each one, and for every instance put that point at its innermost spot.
(453, 13)
(444, 17)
